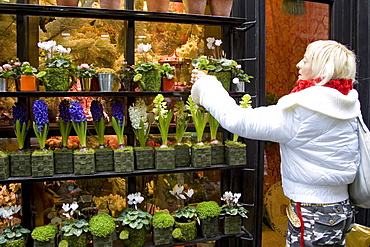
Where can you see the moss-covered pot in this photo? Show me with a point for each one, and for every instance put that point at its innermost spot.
(57, 79)
(162, 235)
(16, 243)
(103, 241)
(104, 160)
(201, 156)
(182, 156)
(42, 165)
(124, 161)
(224, 77)
(136, 237)
(20, 165)
(84, 163)
(235, 155)
(74, 241)
(152, 81)
(217, 154)
(63, 161)
(188, 230)
(50, 243)
(164, 159)
(144, 158)
(4, 167)
(209, 228)
(232, 224)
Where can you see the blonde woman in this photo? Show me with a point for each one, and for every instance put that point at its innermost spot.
(316, 128)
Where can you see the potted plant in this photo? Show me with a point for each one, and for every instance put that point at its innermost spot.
(144, 158)
(208, 212)
(168, 77)
(28, 77)
(44, 236)
(57, 71)
(200, 152)
(4, 165)
(126, 76)
(86, 73)
(13, 234)
(6, 73)
(20, 161)
(182, 150)
(84, 158)
(217, 147)
(135, 222)
(232, 213)
(102, 226)
(123, 156)
(164, 155)
(42, 159)
(106, 79)
(162, 227)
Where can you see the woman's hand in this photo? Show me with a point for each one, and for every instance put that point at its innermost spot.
(196, 75)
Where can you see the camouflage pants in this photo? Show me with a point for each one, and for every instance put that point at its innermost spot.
(326, 225)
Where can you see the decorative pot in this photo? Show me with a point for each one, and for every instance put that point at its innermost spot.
(57, 79)
(221, 7)
(152, 81)
(201, 156)
(42, 165)
(168, 84)
(72, 3)
(164, 159)
(195, 6)
(84, 163)
(50, 243)
(94, 84)
(106, 81)
(28, 83)
(144, 158)
(63, 161)
(162, 235)
(209, 228)
(4, 167)
(182, 156)
(158, 5)
(232, 224)
(217, 154)
(110, 4)
(124, 161)
(74, 241)
(85, 84)
(20, 165)
(103, 241)
(137, 237)
(224, 77)
(3, 85)
(235, 155)
(188, 230)
(104, 160)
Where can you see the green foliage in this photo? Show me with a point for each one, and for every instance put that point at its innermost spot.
(125, 149)
(75, 241)
(16, 232)
(236, 209)
(186, 213)
(124, 234)
(135, 219)
(167, 71)
(176, 233)
(163, 219)
(136, 237)
(149, 76)
(4, 154)
(74, 227)
(188, 231)
(208, 210)
(63, 243)
(101, 225)
(56, 79)
(27, 69)
(202, 63)
(105, 70)
(44, 233)
(199, 116)
(234, 143)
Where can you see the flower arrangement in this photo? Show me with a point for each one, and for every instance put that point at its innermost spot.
(181, 120)
(70, 226)
(99, 121)
(41, 122)
(231, 206)
(79, 122)
(64, 120)
(163, 118)
(53, 55)
(139, 121)
(186, 212)
(200, 118)
(85, 70)
(215, 46)
(244, 103)
(21, 123)
(11, 70)
(118, 121)
(27, 69)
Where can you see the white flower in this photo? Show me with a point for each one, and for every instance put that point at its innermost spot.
(190, 193)
(218, 42)
(134, 199)
(47, 45)
(138, 115)
(236, 80)
(236, 197)
(143, 48)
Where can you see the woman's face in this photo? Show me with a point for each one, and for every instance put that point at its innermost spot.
(305, 69)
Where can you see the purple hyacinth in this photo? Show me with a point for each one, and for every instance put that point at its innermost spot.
(96, 110)
(76, 112)
(40, 114)
(118, 111)
(64, 111)
(20, 112)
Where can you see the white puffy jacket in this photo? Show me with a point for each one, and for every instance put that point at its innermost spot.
(316, 129)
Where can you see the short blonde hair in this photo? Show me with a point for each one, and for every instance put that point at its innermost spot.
(331, 60)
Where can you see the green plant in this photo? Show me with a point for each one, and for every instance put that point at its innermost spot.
(126, 71)
(85, 70)
(74, 227)
(63, 243)
(163, 117)
(105, 70)
(185, 214)
(135, 219)
(232, 207)
(181, 119)
(101, 225)
(162, 219)
(199, 116)
(213, 127)
(244, 103)
(203, 63)
(139, 121)
(11, 70)
(142, 68)
(27, 69)
(13, 233)
(4, 154)
(167, 71)
(44, 233)
(208, 210)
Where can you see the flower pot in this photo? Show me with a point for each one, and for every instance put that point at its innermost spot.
(221, 7)
(168, 84)
(4, 167)
(224, 77)
(28, 83)
(152, 81)
(42, 165)
(188, 230)
(106, 81)
(209, 228)
(50, 243)
(104, 160)
(162, 235)
(158, 5)
(72, 3)
(127, 84)
(84, 163)
(103, 241)
(110, 4)
(164, 159)
(124, 161)
(74, 241)
(85, 84)
(201, 156)
(235, 155)
(144, 159)
(232, 224)
(94, 84)
(217, 154)
(137, 237)
(63, 161)
(3, 85)
(182, 156)
(20, 165)
(57, 79)
(195, 6)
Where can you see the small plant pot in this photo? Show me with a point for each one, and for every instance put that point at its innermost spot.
(209, 228)
(235, 155)
(63, 161)
(137, 237)
(232, 224)
(164, 159)
(3, 85)
(217, 154)
(80, 241)
(103, 241)
(153, 81)
(124, 161)
(84, 163)
(4, 167)
(85, 84)
(106, 81)
(144, 159)
(42, 165)
(162, 235)
(28, 83)
(182, 156)
(168, 84)
(16, 243)
(188, 230)
(104, 160)
(20, 165)
(50, 243)
(201, 156)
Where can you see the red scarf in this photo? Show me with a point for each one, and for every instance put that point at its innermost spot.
(342, 85)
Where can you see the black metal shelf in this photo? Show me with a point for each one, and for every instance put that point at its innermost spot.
(129, 15)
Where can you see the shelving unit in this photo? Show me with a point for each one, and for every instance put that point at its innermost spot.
(243, 40)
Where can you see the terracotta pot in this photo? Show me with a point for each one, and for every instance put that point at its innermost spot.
(73, 3)
(28, 83)
(168, 84)
(197, 7)
(158, 5)
(110, 4)
(221, 7)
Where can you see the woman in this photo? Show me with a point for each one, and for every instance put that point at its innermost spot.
(316, 128)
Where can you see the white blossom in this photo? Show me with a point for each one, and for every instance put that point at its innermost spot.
(143, 48)
(218, 42)
(236, 80)
(134, 199)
